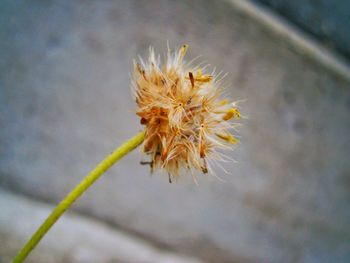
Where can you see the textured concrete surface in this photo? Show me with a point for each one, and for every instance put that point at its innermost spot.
(73, 239)
(65, 103)
(329, 21)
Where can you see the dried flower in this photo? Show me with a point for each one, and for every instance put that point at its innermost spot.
(186, 122)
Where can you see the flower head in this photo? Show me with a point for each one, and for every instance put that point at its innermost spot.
(186, 121)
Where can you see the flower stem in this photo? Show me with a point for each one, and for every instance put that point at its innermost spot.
(77, 192)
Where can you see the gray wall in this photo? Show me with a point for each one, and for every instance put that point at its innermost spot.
(327, 20)
(65, 103)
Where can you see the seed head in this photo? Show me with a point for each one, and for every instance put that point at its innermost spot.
(187, 124)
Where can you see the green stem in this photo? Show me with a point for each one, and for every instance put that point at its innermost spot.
(77, 192)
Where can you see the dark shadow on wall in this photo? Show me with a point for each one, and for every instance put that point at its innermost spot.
(328, 21)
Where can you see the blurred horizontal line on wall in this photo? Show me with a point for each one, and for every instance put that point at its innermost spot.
(82, 236)
(299, 40)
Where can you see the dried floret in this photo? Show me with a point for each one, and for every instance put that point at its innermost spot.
(186, 121)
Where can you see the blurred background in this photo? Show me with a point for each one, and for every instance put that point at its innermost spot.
(65, 103)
